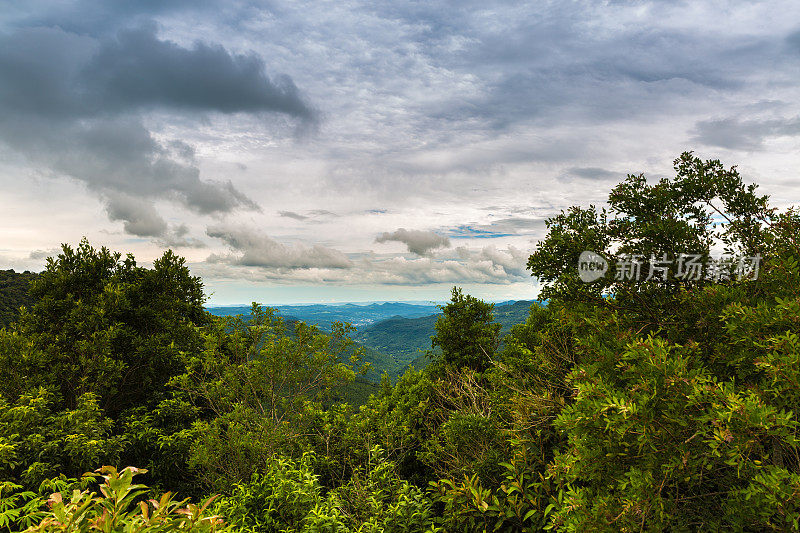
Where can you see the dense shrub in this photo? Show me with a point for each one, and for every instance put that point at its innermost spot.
(288, 497)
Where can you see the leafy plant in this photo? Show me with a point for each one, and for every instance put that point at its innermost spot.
(121, 507)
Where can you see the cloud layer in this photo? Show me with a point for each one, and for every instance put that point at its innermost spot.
(280, 143)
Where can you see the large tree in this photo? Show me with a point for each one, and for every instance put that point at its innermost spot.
(681, 405)
(256, 378)
(705, 208)
(104, 325)
(466, 332)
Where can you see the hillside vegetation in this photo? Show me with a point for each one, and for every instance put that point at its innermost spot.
(389, 345)
(377, 362)
(662, 404)
(14, 294)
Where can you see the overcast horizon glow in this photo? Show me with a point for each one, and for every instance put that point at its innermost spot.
(301, 152)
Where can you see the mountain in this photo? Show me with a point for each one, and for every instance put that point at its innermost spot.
(357, 314)
(391, 343)
(512, 313)
(406, 340)
(401, 339)
(14, 294)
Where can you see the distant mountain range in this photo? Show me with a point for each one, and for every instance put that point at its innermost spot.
(393, 334)
(323, 314)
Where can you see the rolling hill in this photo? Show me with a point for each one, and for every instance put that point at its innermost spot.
(406, 340)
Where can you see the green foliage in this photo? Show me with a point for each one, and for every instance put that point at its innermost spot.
(682, 411)
(519, 503)
(464, 434)
(377, 499)
(18, 508)
(704, 205)
(663, 406)
(38, 441)
(466, 333)
(120, 507)
(288, 497)
(103, 325)
(356, 393)
(399, 419)
(407, 341)
(14, 294)
(554, 261)
(277, 499)
(255, 378)
(100, 341)
(161, 439)
(661, 443)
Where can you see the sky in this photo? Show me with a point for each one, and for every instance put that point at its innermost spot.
(384, 150)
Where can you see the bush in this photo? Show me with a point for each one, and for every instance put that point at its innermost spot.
(287, 497)
(120, 507)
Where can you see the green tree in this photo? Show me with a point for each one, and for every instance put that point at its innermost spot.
(14, 294)
(121, 506)
(104, 325)
(255, 379)
(675, 397)
(704, 205)
(38, 440)
(88, 364)
(466, 332)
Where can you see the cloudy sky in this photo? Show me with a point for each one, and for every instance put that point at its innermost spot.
(378, 150)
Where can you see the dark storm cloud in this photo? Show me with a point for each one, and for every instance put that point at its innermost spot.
(554, 62)
(74, 105)
(793, 40)
(418, 242)
(50, 73)
(139, 70)
(736, 134)
(97, 17)
(488, 71)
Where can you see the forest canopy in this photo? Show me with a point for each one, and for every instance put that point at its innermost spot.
(622, 404)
